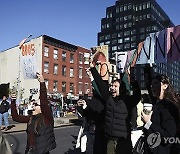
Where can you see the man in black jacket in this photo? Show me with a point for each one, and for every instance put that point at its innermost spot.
(4, 107)
(118, 107)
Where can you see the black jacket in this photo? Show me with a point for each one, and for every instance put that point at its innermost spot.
(117, 118)
(44, 137)
(164, 118)
(4, 106)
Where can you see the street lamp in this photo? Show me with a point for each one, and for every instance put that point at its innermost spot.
(19, 71)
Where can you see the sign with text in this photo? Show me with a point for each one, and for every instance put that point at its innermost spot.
(146, 54)
(28, 61)
(173, 43)
(121, 60)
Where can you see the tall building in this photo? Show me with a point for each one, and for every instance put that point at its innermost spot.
(62, 64)
(129, 22)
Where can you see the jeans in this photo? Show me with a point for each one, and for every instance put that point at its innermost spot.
(6, 122)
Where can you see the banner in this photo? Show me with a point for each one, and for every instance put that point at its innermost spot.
(28, 61)
(146, 54)
(173, 43)
(160, 47)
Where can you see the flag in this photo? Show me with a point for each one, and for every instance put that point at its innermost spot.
(23, 41)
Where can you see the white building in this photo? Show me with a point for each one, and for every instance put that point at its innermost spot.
(9, 66)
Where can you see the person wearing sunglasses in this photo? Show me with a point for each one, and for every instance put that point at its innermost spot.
(40, 124)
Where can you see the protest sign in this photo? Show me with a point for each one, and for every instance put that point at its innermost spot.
(173, 43)
(28, 61)
(100, 60)
(146, 54)
(121, 59)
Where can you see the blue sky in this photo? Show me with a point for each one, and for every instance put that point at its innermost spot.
(73, 21)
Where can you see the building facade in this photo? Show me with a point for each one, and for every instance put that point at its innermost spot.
(129, 22)
(62, 65)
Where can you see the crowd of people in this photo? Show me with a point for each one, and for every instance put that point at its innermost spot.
(108, 116)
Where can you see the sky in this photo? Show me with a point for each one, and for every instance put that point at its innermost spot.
(74, 21)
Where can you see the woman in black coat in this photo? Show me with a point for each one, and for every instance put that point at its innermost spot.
(161, 123)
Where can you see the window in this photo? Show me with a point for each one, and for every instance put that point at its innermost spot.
(80, 58)
(127, 39)
(46, 82)
(107, 37)
(114, 41)
(63, 70)
(121, 9)
(46, 51)
(129, 6)
(71, 88)
(114, 48)
(86, 86)
(120, 34)
(102, 43)
(126, 33)
(133, 45)
(71, 58)
(71, 72)
(55, 53)
(125, 7)
(120, 40)
(142, 30)
(64, 87)
(125, 18)
(144, 6)
(55, 86)
(80, 87)
(142, 37)
(80, 72)
(114, 35)
(46, 67)
(133, 32)
(64, 56)
(148, 4)
(120, 47)
(133, 38)
(56, 69)
(126, 46)
(148, 15)
(86, 58)
(107, 42)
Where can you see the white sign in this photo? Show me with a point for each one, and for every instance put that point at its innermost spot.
(28, 61)
(121, 59)
(146, 54)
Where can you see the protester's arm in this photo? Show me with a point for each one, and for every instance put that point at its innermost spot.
(148, 73)
(102, 85)
(15, 116)
(136, 97)
(44, 104)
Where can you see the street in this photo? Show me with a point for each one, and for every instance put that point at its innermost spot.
(65, 140)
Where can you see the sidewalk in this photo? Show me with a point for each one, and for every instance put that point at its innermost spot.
(58, 122)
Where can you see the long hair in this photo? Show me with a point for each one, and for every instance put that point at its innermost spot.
(169, 92)
(38, 122)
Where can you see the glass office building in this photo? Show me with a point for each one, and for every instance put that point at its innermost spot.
(129, 22)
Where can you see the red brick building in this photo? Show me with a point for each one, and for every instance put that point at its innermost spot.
(63, 67)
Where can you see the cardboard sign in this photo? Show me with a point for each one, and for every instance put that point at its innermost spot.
(28, 61)
(121, 60)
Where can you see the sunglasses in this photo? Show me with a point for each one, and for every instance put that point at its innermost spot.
(36, 104)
